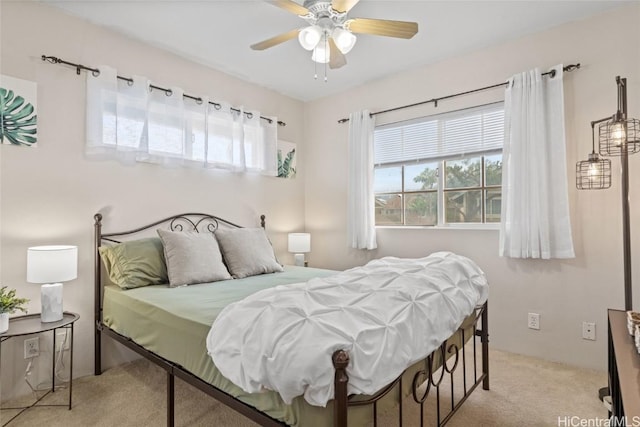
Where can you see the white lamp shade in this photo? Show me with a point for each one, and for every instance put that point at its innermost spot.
(51, 264)
(345, 40)
(299, 242)
(309, 37)
(321, 53)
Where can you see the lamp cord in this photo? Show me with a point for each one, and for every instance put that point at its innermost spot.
(59, 368)
(27, 374)
(60, 359)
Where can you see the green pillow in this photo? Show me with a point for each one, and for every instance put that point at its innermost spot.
(135, 263)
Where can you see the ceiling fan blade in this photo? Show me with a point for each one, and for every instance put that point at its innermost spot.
(273, 41)
(381, 27)
(343, 6)
(336, 58)
(290, 6)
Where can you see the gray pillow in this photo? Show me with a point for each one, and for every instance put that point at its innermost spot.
(192, 258)
(247, 252)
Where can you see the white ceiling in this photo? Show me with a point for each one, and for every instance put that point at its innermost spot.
(218, 33)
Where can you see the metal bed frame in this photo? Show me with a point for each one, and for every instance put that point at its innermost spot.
(431, 376)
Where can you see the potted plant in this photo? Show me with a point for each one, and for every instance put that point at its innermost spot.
(9, 303)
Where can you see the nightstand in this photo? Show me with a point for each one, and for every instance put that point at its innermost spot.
(30, 324)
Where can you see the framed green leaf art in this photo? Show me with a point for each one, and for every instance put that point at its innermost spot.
(286, 159)
(18, 112)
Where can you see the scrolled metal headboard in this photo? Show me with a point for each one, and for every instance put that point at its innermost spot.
(182, 222)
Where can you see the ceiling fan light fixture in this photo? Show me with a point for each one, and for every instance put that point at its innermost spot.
(330, 34)
(309, 37)
(321, 54)
(345, 40)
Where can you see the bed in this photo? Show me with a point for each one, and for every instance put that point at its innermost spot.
(169, 326)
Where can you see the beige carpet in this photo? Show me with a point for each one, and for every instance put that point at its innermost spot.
(524, 392)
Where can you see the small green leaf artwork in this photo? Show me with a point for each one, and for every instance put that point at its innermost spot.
(286, 159)
(18, 112)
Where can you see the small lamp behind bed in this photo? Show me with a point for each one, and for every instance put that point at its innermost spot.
(299, 244)
(49, 265)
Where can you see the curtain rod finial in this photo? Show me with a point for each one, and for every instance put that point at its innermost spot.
(572, 67)
(51, 59)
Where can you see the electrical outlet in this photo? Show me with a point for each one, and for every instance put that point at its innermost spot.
(589, 331)
(31, 347)
(60, 340)
(533, 321)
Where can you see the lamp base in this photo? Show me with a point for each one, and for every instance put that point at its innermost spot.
(51, 300)
(299, 260)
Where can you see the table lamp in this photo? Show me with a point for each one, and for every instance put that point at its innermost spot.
(50, 265)
(299, 244)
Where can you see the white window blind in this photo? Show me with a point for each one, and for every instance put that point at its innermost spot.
(442, 136)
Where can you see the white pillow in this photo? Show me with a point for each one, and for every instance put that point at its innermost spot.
(247, 252)
(192, 258)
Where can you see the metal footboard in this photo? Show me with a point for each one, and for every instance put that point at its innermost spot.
(454, 361)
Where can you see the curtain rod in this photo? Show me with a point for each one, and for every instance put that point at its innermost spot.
(552, 73)
(96, 72)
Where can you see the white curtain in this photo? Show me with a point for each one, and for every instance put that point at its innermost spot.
(260, 143)
(129, 121)
(361, 215)
(115, 115)
(535, 207)
(164, 138)
(195, 129)
(224, 138)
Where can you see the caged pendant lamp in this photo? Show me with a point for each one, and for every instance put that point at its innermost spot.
(595, 172)
(619, 135)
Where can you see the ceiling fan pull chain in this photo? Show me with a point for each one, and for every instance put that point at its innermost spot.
(327, 54)
(315, 70)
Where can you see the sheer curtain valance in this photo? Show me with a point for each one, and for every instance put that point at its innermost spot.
(130, 122)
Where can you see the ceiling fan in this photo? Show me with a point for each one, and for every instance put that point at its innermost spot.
(330, 34)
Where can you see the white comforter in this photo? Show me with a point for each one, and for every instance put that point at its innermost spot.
(387, 314)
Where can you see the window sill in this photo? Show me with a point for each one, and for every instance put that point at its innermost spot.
(495, 227)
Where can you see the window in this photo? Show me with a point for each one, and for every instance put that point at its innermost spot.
(440, 170)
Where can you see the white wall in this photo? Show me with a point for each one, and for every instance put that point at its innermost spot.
(564, 292)
(49, 194)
